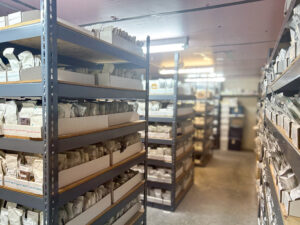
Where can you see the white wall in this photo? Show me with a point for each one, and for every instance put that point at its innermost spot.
(250, 106)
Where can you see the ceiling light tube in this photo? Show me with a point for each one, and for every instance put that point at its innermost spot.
(210, 79)
(196, 70)
(167, 45)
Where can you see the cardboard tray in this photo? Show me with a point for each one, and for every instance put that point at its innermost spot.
(66, 126)
(23, 185)
(120, 118)
(128, 215)
(154, 200)
(105, 79)
(79, 172)
(123, 190)
(35, 73)
(92, 212)
(119, 156)
(295, 134)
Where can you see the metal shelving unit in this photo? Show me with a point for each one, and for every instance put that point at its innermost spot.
(172, 142)
(202, 157)
(287, 83)
(58, 42)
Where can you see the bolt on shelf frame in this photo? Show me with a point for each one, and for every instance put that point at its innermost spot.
(50, 90)
(173, 142)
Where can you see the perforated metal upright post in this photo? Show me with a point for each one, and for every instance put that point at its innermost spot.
(174, 132)
(50, 114)
(146, 128)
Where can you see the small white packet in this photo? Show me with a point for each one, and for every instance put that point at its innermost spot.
(4, 216)
(27, 59)
(13, 61)
(15, 216)
(11, 164)
(11, 113)
(37, 168)
(32, 218)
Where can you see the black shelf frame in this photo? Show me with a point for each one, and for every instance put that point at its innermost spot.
(42, 36)
(172, 141)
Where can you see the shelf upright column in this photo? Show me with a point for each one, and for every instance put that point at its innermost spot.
(146, 128)
(50, 112)
(174, 131)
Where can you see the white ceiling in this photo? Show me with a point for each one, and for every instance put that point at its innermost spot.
(241, 35)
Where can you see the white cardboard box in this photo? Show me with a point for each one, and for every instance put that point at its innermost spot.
(105, 79)
(13, 75)
(79, 172)
(66, 126)
(123, 190)
(1, 180)
(120, 118)
(274, 117)
(92, 212)
(280, 120)
(35, 73)
(23, 185)
(131, 150)
(19, 17)
(287, 124)
(128, 215)
(82, 124)
(295, 134)
(2, 76)
(22, 131)
(154, 199)
(3, 21)
(292, 207)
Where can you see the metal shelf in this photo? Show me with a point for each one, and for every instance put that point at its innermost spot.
(71, 41)
(240, 96)
(289, 79)
(276, 207)
(69, 90)
(104, 217)
(157, 184)
(22, 145)
(169, 119)
(22, 198)
(73, 142)
(171, 97)
(76, 189)
(291, 153)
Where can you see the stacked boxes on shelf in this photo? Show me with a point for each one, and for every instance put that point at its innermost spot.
(203, 123)
(224, 126)
(73, 132)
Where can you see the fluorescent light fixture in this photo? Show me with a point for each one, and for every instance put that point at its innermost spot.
(196, 70)
(207, 79)
(167, 45)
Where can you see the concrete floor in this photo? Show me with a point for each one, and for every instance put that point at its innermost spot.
(223, 194)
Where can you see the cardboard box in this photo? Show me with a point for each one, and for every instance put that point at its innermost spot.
(79, 172)
(155, 200)
(274, 117)
(166, 202)
(128, 215)
(22, 131)
(92, 212)
(35, 73)
(75, 125)
(66, 126)
(1, 180)
(3, 21)
(13, 75)
(179, 172)
(19, 17)
(168, 158)
(23, 185)
(105, 79)
(287, 124)
(123, 190)
(3, 76)
(292, 207)
(280, 120)
(179, 151)
(120, 118)
(293, 52)
(114, 39)
(181, 111)
(131, 150)
(295, 134)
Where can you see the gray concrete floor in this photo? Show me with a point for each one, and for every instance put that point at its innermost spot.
(223, 194)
